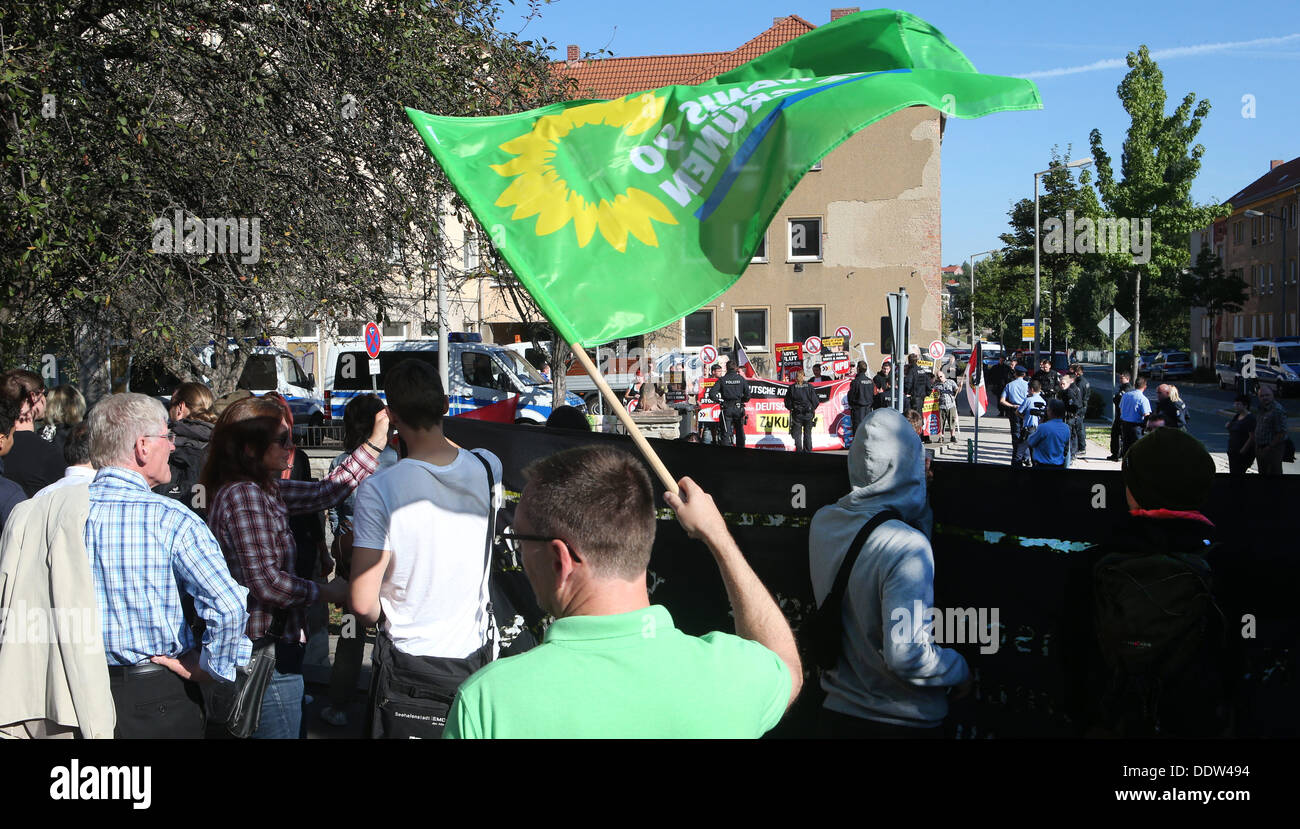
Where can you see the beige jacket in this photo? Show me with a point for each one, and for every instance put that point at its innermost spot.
(52, 664)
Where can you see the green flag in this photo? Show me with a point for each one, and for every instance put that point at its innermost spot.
(623, 216)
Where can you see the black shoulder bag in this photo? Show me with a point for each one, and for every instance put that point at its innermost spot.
(238, 706)
(824, 629)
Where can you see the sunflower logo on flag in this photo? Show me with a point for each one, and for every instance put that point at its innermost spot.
(562, 172)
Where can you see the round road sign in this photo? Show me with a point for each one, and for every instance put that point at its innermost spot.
(813, 345)
(937, 350)
(708, 354)
(845, 332)
(373, 340)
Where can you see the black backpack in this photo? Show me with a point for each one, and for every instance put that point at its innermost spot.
(1155, 617)
(823, 630)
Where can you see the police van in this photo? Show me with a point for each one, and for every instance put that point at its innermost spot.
(479, 374)
(1277, 364)
(267, 369)
(1227, 360)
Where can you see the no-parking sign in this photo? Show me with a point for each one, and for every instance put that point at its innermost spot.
(373, 340)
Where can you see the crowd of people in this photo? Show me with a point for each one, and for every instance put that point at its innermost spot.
(195, 533)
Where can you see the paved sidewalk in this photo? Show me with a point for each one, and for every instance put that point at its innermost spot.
(995, 447)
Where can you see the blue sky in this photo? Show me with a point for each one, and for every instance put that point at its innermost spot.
(1220, 52)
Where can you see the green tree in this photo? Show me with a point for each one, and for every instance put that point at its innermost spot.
(1158, 165)
(1206, 285)
(1062, 197)
(1003, 292)
(289, 115)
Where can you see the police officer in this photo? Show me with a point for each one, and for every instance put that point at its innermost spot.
(1048, 380)
(1085, 394)
(1115, 428)
(1012, 397)
(861, 393)
(884, 384)
(731, 392)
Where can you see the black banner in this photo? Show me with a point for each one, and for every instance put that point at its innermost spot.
(1011, 539)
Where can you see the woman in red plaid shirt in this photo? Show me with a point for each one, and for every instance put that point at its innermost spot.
(249, 515)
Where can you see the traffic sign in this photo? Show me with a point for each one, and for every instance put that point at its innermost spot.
(937, 350)
(708, 354)
(1121, 324)
(373, 340)
(1027, 330)
(845, 332)
(812, 345)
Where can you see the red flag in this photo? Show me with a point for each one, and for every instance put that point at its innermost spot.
(502, 412)
(742, 362)
(976, 396)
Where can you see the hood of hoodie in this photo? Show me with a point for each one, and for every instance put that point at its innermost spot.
(192, 431)
(886, 469)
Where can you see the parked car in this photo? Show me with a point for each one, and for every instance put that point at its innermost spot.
(1170, 364)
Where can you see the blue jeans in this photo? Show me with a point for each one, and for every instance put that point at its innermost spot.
(281, 708)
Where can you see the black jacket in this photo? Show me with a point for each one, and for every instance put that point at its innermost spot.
(861, 391)
(1049, 380)
(1175, 414)
(884, 382)
(801, 400)
(186, 463)
(731, 389)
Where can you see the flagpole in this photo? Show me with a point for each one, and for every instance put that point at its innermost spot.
(623, 415)
(970, 380)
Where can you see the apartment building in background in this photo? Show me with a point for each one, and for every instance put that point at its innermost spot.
(1260, 241)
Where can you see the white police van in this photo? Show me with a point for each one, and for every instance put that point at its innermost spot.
(479, 374)
(1277, 364)
(270, 368)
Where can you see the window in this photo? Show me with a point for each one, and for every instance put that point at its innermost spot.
(805, 240)
(805, 323)
(760, 253)
(349, 328)
(480, 371)
(259, 374)
(1292, 271)
(429, 328)
(751, 328)
(1254, 231)
(1270, 278)
(1293, 206)
(1237, 232)
(471, 252)
(394, 329)
(698, 329)
(292, 373)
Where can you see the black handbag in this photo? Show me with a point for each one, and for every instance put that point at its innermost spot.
(238, 706)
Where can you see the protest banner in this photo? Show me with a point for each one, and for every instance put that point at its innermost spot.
(835, 356)
(789, 359)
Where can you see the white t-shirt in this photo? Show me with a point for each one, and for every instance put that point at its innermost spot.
(434, 522)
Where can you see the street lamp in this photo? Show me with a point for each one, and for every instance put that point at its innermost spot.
(1082, 162)
(1286, 330)
(972, 292)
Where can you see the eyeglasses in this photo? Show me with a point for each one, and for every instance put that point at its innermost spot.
(511, 540)
(170, 437)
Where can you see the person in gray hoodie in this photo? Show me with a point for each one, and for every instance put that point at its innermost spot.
(891, 679)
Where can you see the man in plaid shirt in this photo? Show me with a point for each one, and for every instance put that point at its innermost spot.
(144, 550)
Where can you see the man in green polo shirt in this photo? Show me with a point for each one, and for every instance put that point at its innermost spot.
(612, 664)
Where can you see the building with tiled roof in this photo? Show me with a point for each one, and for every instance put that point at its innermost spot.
(863, 222)
(1259, 241)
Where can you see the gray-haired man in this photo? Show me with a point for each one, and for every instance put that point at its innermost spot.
(144, 550)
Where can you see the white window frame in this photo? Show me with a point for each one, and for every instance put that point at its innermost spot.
(471, 256)
(767, 329)
(403, 327)
(713, 328)
(767, 253)
(789, 319)
(789, 238)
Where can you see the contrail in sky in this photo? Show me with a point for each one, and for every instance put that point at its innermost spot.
(1161, 54)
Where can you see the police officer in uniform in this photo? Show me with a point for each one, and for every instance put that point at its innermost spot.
(731, 392)
(1048, 380)
(1085, 394)
(861, 392)
(884, 384)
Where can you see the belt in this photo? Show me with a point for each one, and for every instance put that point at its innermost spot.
(125, 671)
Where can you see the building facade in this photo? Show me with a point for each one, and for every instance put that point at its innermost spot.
(1260, 242)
